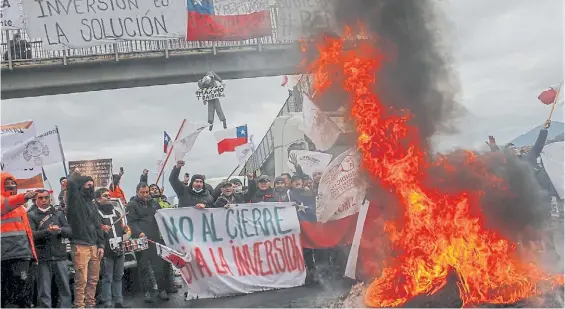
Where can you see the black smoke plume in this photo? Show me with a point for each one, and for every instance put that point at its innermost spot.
(418, 74)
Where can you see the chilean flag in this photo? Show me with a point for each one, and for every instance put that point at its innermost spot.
(231, 138)
(235, 20)
(318, 235)
(166, 142)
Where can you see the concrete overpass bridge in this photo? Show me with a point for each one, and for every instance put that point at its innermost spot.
(140, 63)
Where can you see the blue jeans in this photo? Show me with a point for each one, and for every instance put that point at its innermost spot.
(112, 274)
(45, 273)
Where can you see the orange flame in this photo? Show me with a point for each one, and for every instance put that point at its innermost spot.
(437, 231)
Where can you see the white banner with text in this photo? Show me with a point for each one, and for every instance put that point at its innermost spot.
(239, 250)
(78, 24)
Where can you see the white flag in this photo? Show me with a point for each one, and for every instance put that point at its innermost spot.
(340, 193)
(310, 161)
(184, 145)
(38, 151)
(317, 126)
(559, 96)
(244, 152)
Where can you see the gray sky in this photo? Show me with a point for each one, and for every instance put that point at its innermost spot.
(506, 52)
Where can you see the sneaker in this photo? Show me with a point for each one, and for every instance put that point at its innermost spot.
(172, 290)
(211, 126)
(151, 297)
(163, 296)
(121, 305)
(225, 125)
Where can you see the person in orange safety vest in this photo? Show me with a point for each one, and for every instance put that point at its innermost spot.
(115, 189)
(18, 251)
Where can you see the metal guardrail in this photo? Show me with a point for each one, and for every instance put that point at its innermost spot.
(293, 104)
(35, 54)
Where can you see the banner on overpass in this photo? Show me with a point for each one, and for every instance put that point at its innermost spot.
(303, 19)
(11, 14)
(78, 24)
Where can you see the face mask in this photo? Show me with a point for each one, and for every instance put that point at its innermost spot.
(238, 189)
(11, 188)
(88, 192)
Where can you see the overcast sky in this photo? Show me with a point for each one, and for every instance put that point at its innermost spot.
(506, 52)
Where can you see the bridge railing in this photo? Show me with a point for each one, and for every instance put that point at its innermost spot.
(39, 55)
(293, 104)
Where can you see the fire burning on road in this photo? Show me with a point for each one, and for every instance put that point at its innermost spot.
(438, 231)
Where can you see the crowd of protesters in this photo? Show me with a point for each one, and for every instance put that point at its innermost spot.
(34, 240)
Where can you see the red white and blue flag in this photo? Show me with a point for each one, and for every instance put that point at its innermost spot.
(231, 138)
(167, 142)
(222, 20)
(318, 235)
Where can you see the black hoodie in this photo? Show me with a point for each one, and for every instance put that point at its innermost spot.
(108, 216)
(187, 197)
(82, 213)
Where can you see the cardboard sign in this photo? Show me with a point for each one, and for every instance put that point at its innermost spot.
(100, 170)
(205, 94)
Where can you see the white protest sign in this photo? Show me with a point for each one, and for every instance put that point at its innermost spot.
(310, 161)
(553, 157)
(243, 249)
(317, 126)
(302, 19)
(81, 23)
(11, 14)
(211, 93)
(341, 192)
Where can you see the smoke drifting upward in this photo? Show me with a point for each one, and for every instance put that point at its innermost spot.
(511, 198)
(418, 74)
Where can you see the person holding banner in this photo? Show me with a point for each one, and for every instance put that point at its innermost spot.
(229, 197)
(193, 195)
(153, 270)
(267, 194)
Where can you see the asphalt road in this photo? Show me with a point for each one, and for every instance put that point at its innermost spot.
(316, 295)
(319, 295)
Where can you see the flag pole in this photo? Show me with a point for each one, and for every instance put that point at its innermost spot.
(235, 169)
(170, 151)
(62, 152)
(555, 102)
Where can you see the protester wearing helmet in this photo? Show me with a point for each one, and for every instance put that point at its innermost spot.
(193, 195)
(18, 250)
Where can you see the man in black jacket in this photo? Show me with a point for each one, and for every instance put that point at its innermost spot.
(229, 197)
(193, 195)
(265, 193)
(50, 233)
(113, 262)
(152, 269)
(87, 240)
